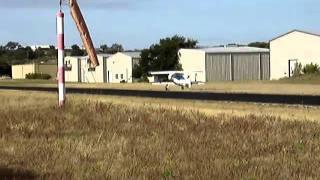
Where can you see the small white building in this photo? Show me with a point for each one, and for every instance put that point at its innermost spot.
(120, 65)
(79, 69)
(90, 74)
(294, 46)
(20, 71)
(113, 68)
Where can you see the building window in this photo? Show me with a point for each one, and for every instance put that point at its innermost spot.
(117, 77)
(90, 66)
(121, 76)
(68, 66)
(91, 69)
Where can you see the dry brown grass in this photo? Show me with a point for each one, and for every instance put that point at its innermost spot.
(261, 87)
(288, 112)
(91, 139)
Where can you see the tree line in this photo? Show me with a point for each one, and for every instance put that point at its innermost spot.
(104, 48)
(14, 53)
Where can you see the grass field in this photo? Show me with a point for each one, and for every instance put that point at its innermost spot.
(261, 87)
(104, 137)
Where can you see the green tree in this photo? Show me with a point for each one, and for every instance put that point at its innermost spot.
(16, 56)
(20, 54)
(116, 48)
(2, 50)
(136, 71)
(164, 55)
(52, 52)
(259, 45)
(104, 48)
(30, 53)
(113, 49)
(76, 51)
(12, 46)
(39, 53)
(5, 69)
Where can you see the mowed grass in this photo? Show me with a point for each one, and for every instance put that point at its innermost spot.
(93, 138)
(300, 86)
(306, 78)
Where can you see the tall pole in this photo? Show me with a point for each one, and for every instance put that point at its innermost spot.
(61, 72)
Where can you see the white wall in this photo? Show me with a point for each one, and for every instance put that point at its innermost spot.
(73, 74)
(91, 76)
(296, 45)
(20, 71)
(193, 63)
(119, 65)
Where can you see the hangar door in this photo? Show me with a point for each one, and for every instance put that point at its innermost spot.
(265, 66)
(237, 66)
(218, 67)
(246, 66)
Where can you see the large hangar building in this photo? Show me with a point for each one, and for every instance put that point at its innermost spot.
(226, 64)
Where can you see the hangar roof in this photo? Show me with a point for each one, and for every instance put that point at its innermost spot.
(295, 30)
(164, 72)
(134, 54)
(244, 49)
(104, 54)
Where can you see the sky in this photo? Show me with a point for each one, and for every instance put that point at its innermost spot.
(137, 24)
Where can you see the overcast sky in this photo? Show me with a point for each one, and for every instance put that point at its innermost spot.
(139, 23)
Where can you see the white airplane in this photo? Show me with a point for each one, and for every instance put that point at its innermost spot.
(178, 78)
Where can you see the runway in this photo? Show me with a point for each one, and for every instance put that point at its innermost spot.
(187, 95)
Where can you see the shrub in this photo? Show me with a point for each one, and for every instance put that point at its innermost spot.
(297, 70)
(37, 76)
(136, 71)
(311, 69)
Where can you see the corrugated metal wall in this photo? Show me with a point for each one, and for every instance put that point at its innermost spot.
(265, 66)
(217, 67)
(241, 66)
(245, 66)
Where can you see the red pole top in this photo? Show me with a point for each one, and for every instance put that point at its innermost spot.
(60, 14)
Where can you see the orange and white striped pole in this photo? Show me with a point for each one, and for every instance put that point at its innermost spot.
(61, 72)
